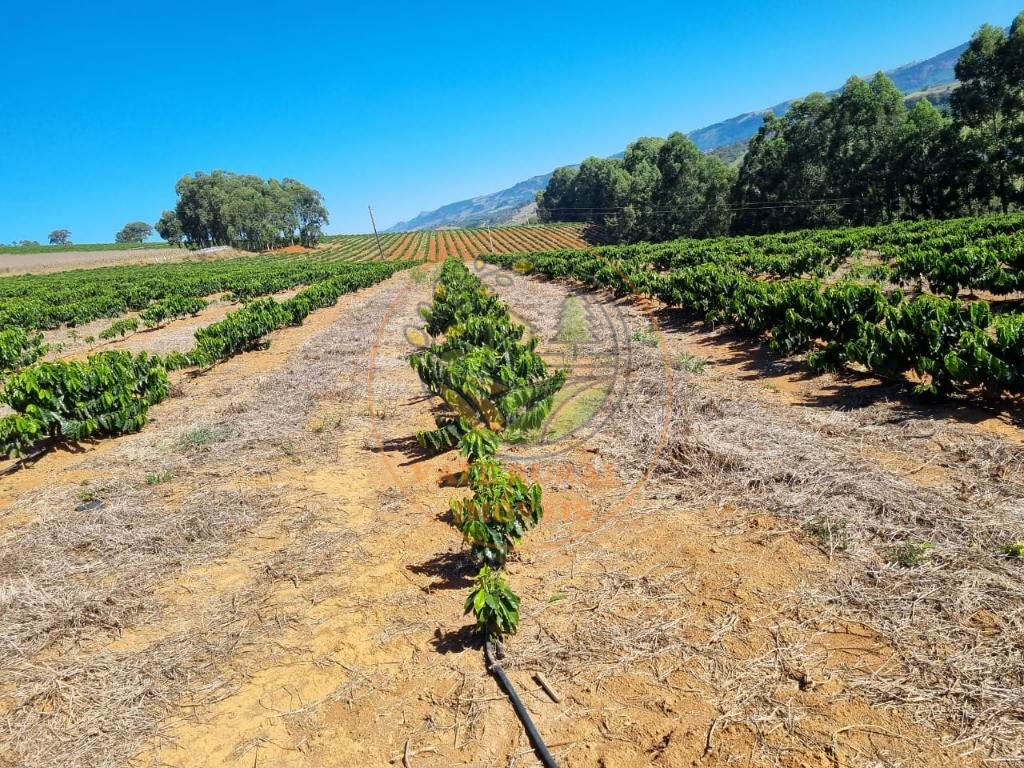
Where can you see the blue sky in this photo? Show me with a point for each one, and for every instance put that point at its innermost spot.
(404, 106)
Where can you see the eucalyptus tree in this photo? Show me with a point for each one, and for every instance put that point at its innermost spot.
(134, 232)
(988, 111)
(244, 211)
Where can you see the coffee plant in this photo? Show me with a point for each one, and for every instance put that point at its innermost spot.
(494, 606)
(107, 394)
(495, 383)
(500, 511)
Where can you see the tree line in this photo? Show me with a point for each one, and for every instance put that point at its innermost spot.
(225, 208)
(860, 157)
(243, 211)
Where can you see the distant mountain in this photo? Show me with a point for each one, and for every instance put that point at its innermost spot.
(497, 208)
(932, 79)
(920, 76)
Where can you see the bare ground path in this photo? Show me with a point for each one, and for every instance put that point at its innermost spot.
(270, 581)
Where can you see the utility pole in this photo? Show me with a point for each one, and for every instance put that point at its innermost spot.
(374, 223)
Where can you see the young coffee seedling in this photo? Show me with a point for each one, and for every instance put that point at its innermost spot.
(501, 510)
(495, 606)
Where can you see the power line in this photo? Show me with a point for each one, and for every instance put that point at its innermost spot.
(612, 209)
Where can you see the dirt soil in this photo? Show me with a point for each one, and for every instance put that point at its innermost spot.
(20, 263)
(176, 335)
(293, 249)
(265, 575)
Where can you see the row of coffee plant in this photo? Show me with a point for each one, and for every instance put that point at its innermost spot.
(494, 383)
(945, 343)
(983, 253)
(107, 394)
(18, 349)
(110, 393)
(79, 296)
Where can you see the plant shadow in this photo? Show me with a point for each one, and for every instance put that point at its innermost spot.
(452, 570)
(464, 638)
(408, 447)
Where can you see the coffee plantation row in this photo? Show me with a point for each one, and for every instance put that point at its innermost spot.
(110, 393)
(76, 297)
(761, 286)
(984, 253)
(494, 384)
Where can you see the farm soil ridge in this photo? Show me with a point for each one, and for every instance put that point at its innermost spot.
(21, 263)
(271, 579)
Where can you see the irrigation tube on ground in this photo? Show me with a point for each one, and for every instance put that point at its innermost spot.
(494, 666)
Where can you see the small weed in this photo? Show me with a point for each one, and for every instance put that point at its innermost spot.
(557, 596)
(159, 477)
(684, 361)
(831, 535)
(648, 338)
(910, 553)
(200, 437)
(89, 339)
(1014, 549)
(86, 495)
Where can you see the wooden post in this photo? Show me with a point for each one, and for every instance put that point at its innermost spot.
(380, 250)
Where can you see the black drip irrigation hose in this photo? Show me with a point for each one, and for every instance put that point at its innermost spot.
(494, 666)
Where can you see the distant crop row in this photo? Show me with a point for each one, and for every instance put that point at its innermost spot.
(159, 291)
(436, 245)
(83, 247)
(758, 285)
(110, 393)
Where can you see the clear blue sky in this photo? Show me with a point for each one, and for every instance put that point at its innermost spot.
(103, 106)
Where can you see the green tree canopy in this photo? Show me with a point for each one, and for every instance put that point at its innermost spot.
(169, 227)
(60, 237)
(134, 232)
(859, 157)
(661, 188)
(243, 211)
(988, 112)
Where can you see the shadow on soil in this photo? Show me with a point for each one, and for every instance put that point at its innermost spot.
(452, 570)
(844, 390)
(403, 446)
(458, 640)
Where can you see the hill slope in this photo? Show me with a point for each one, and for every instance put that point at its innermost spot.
(497, 208)
(932, 79)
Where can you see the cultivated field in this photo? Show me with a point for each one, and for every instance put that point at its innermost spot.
(26, 261)
(434, 245)
(739, 562)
